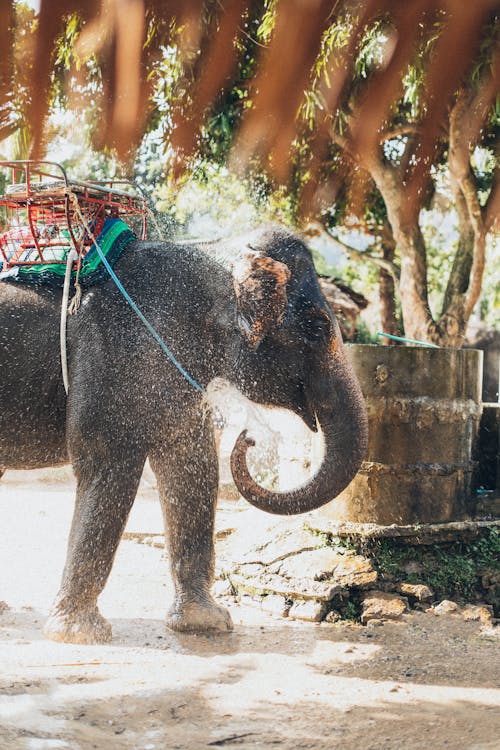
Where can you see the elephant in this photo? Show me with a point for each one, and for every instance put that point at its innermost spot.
(248, 310)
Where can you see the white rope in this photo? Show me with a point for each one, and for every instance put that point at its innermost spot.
(64, 316)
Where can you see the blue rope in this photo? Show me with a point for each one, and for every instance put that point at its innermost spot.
(154, 333)
(407, 341)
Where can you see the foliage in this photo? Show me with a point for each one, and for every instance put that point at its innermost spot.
(213, 202)
(441, 232)
(350, 610)
(25, 24)
(365, 335)
(489, 305)
(80, 76)
(451, 570)
(371, 220)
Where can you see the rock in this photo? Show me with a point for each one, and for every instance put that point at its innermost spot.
(275, 605)
(319, 574)
(309, 610)
(317, 564)
(446, 607)
(414, 534)
(325, 563)
(332, 617)
(304, 588)
(4, 607)
(251, 601)
(379, 605)
(250, 570)
(375, 623)
(490, 631)
(289, 542)
(490, 580)
(418, 591)
(482, 613)
(355, 571)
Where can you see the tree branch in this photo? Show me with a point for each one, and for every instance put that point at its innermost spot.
(491, 211)
(465, 279)
(405, 129)
(317, 228)
(341, 141)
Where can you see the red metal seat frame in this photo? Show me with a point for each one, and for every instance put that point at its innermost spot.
(41, 195)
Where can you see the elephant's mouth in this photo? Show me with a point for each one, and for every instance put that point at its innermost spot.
(306, 410)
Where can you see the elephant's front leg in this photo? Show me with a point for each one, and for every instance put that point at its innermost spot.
(107, 485)
(188, 482)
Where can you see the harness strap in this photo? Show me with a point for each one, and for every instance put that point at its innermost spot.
(64, 316)
(154, 333)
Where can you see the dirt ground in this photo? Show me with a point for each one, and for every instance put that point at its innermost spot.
(429, 682)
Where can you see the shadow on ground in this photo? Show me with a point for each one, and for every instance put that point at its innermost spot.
(426, 681)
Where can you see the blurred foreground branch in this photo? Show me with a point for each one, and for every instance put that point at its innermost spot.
(126, 40)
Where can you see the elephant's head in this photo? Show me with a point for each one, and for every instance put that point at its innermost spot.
(291, 355)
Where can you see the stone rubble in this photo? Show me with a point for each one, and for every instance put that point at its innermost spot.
(276, 605)
(311, 610)
(380, 605)
(295, 574)
(446, 607)
(482, 613)
(417, 591)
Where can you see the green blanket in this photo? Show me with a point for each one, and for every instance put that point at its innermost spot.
(113, 239)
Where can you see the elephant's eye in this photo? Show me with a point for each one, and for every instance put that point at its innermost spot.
(318, 328)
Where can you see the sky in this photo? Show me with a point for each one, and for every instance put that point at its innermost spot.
(35, 4)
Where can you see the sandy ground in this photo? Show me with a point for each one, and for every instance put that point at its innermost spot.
(428, 682)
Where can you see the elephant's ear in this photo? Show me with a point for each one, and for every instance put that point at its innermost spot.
(260, 286)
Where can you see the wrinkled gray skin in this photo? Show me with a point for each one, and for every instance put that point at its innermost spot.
(264, 327)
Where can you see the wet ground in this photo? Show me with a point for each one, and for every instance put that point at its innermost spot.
(427, 682)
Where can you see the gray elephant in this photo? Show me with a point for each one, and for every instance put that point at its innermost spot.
(249, 311)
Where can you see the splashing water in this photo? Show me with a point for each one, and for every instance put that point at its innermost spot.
(286, 452)
(237, 411)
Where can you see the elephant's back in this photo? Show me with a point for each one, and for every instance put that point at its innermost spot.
(31, 392)
(29, 321)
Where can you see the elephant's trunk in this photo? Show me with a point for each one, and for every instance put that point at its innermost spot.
(344, 425)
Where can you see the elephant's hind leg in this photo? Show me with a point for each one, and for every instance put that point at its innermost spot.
(107, 485)
(188, 481)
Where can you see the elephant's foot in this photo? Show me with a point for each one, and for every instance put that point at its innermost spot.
(198, 617)
(82, 626)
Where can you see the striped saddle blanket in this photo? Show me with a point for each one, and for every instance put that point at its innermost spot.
(113, 238)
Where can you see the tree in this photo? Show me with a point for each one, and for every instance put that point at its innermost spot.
(330, 167)
(14, 124)
(457, 146)
(241, 68)
(125, 40)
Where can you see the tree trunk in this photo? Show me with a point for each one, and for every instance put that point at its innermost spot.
(387, 290)
(417, 317)
(464, 285)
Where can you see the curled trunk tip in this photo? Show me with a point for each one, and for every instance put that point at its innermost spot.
(345, 432)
